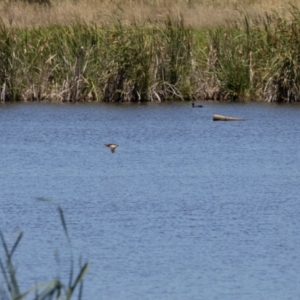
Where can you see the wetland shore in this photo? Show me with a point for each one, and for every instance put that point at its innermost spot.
(140, 51)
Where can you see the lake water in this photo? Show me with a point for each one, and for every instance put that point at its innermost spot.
(186, 208)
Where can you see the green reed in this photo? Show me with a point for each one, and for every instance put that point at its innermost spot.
(54, 289)
(88, 63)
(258, 58)
(253, 58)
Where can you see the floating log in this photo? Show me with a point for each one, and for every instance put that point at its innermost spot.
(225, 118)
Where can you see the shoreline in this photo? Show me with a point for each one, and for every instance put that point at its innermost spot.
(253, 57)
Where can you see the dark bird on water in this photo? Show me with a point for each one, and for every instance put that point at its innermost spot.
(112, 147)
(193, 105)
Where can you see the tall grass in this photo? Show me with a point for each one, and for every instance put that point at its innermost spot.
(53, 290)
(251, 58)
(258, 57)
(88, 63)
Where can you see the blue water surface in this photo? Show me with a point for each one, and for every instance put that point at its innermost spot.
(186, 208)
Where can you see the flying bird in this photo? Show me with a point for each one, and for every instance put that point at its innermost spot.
(112, 147)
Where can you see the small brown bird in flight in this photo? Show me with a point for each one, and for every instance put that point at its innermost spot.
(112, 147)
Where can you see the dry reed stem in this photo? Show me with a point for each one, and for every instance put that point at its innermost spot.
(196, 13)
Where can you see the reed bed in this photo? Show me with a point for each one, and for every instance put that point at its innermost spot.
(254, 57)
(89, 63)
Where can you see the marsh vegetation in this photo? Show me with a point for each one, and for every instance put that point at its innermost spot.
(132, 51)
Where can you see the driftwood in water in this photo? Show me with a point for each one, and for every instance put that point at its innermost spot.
(224, 118)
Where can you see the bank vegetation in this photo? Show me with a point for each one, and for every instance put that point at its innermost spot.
(135, 51)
